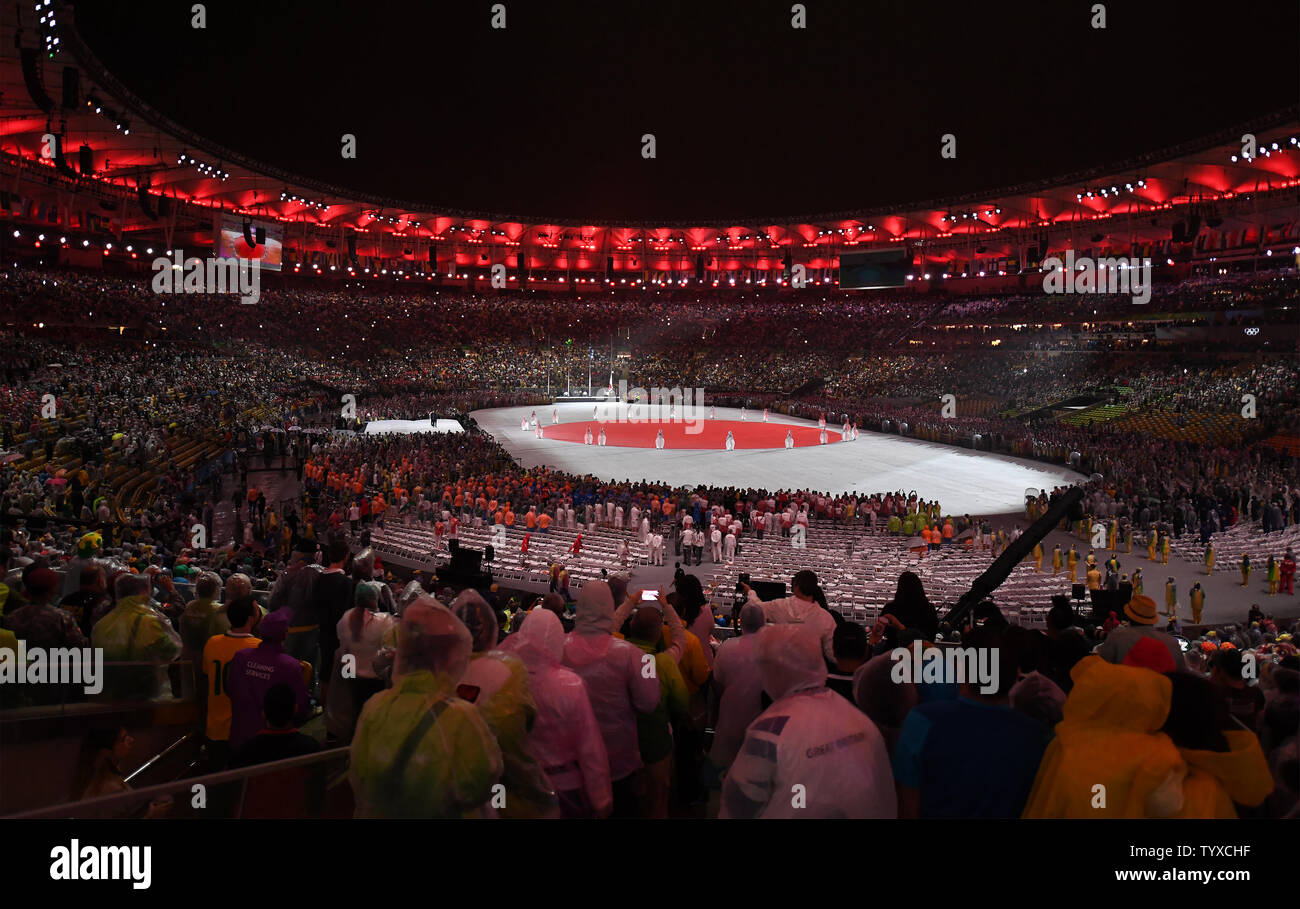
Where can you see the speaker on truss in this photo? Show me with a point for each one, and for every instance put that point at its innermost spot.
(71, 87)
(32, 78)
(146, 203)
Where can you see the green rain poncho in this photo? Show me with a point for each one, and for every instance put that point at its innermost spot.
(136, 632)
(419, 750)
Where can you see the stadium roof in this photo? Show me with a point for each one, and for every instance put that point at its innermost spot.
(140, 156)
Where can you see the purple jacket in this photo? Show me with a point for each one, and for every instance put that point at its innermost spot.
(252, 673)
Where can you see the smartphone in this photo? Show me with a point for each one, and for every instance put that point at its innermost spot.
(649, 596)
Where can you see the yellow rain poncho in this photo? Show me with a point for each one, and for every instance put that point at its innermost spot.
(1215, 780)
(1110, 738)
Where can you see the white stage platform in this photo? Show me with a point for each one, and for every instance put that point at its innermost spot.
(964, 481)
(407, 426)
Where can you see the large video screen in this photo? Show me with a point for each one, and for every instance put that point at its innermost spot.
(879, 268)
(231, 242)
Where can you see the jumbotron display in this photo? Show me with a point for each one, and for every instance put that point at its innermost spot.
(875, 270)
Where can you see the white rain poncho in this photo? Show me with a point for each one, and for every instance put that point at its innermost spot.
(811, 754)
(420, 751)
(611, 669)
(566, 737)
(737, 690)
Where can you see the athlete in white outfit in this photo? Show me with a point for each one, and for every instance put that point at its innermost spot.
(731, 441)
(789, 439)
(743, 415)
(659, 440)
(764, 414)
(602, 435)
(715, 539)
(823, 435)
(523, 424)
(713, 412)
(729, 547)
(586, 436)
(555, 415)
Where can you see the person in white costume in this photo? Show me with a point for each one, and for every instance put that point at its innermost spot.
(603, 438)
(743, 415)
(764, 414)
(822, 437)
(731, 441)
(555, 415)
(789, 439)
(586, 436)
(659, 440)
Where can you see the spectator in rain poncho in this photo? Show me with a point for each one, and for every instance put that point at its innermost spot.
(812, 753)
(736, 697)
(497, 684)
(203, 616)
(1111, 737)
(1225, 765)
(134, 631)
(618, 689)
(420, 751)
(362, 632)
(566, 737)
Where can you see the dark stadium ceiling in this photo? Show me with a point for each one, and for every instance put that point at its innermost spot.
(245, 116)
(753, 119)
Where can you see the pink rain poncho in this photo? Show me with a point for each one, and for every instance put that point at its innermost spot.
(613, 672)
(566, 737)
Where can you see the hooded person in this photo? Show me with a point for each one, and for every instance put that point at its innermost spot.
(811, 753)
(565, 737)
(655, 731)
(1109, 758)
(736, 695)
(420, 751)
(1225, 765)
(619, 690)
(496, 683)
(135, 632)
(252, 672)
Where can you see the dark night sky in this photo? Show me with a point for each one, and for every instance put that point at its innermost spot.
(752, 117)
